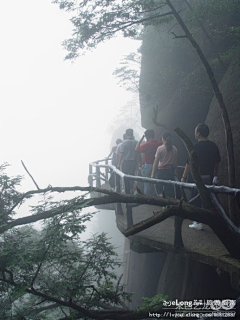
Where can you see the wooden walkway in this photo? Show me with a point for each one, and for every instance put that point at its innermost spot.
(201, 245)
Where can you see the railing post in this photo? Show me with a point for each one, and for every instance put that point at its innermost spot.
(178, 241)
(90, 178)
(117, 183)
(98, 180)
(129, 216)
(126, 185)
(106, 169)
(175, 191)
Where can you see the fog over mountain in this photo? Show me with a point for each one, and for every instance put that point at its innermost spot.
(55, 114)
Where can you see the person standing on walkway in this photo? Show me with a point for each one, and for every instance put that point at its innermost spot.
(112, 180)
(113, 153)
(208, 159)
(119, 147)
(165, 165)
(128, 158)
(149, 149)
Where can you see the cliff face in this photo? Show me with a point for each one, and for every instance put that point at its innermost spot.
(174, 276)
(174, 82)
(194, 104)
(230, 88)
(170, 274)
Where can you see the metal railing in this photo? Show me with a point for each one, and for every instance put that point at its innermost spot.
(97, 177)
(101, 171)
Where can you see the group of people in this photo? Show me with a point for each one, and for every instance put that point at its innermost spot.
(160, 160)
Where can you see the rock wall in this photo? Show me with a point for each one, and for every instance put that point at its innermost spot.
(174, 81)
(230, 88)
(141, 273)
(175, 276)
(190, 100)
(147, 274)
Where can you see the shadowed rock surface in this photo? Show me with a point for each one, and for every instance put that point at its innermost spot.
(173, 80)
(202, 270)
(230, 88)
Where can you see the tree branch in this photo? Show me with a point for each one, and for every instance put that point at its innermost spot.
(113, 197)
(226, 234)
(59, 190)
(30, 175)
(185, 211)
(125, 25)
(118, 314)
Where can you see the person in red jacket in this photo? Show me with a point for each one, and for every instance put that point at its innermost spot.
(149, 149)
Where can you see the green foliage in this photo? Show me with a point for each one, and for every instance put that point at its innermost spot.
(129, 72)
(215, 24)
(151, 304)
(203, 8)
(128, 116)
(221, 20)
(95, 21)
(8, 193)
(226, 56)
(51, 273)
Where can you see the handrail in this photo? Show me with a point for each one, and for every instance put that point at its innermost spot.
(212, 188)
(118, 176)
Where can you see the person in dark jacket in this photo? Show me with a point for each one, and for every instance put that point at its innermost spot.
(208, 159)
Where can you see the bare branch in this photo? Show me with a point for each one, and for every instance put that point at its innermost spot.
(119, 314)
(59, 190)
(186, 211)
(30, 175)
(125, 25)
(113, 197)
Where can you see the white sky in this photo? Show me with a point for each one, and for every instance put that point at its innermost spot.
(55, 115)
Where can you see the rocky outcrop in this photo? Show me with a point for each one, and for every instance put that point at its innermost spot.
(187, 279)
(230, 88)
(174, 80)
(141, 273)
(174, 276)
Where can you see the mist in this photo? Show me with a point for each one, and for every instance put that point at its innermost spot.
(55, 114)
